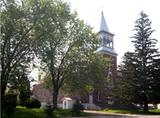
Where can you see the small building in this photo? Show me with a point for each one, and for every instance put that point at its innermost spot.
(158, 106)
(68, 103)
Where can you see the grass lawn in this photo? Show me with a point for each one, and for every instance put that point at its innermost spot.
(151, 112)
(23, 112)
(67, 113)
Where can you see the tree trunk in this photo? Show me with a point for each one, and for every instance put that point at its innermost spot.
(55, 97)
(3, 89)
(145, 107)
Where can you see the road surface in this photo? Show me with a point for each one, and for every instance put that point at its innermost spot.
(99, 114)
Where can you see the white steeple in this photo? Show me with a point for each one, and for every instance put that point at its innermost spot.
(106, 43)
(103, 26)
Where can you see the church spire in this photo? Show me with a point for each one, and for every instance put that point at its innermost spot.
(103, 25)
(106, 43)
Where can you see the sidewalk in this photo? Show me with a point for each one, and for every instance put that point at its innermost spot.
(113, 115)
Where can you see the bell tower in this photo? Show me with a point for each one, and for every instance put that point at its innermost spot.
(106, 48)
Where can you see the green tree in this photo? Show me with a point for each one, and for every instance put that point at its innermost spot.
(124, 91)
(61, 39)
(17, 22)
(141, 64)
(155, 81)
(20, 83)
(145, 53)
(90, 76)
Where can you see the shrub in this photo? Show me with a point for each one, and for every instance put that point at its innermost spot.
(77, 107)
(33, 103)
(10, 103)
(23, 97)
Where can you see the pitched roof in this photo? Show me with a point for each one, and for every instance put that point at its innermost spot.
(103, 25)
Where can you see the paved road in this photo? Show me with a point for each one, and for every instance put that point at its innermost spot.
(97, 114)
(118, 117)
